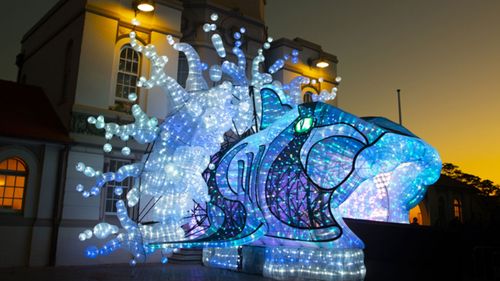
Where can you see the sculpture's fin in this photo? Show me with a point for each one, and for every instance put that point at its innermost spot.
(272, 105)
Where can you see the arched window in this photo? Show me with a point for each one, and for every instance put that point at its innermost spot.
(307, 93)
(307, 97)
(457, 209)
(182, 70)
(127, 76)
(415, 215)
(13, 178)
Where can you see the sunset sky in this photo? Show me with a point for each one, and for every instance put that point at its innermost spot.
(444, 55)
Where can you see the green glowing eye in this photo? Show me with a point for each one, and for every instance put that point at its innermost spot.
(304, 125)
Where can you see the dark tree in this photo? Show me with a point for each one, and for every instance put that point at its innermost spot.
(485, 187)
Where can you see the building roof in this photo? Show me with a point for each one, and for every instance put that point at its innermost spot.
(27, 113)
(445, 181)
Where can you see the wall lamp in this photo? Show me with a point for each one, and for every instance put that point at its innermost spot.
(144, 5)
(322, 63)
(319, 62)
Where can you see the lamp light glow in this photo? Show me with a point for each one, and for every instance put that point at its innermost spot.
(145, 6)
(322, 64)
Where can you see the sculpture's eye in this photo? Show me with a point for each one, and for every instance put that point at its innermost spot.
(304, 125)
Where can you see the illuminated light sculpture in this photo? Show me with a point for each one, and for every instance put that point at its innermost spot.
(286, 185)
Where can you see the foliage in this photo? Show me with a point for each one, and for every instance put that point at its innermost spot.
(485, 187)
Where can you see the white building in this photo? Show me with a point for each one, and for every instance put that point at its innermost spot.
(79, 55)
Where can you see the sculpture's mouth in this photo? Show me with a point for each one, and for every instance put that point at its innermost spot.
(371, 200)
(398, 183)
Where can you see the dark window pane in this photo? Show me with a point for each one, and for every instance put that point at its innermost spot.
(129, 53)
(118, 90)
(127, 79)
(121, 67)
(120, 78)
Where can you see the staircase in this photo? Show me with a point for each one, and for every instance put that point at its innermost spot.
(186, 256)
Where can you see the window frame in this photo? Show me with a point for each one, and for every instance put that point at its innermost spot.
(109, 187)
(127, 48)
(123, 105)
(6, 172)
(307, 92)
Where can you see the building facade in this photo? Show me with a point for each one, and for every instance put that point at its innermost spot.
(33, 147)
(79, 55)
(449, 203)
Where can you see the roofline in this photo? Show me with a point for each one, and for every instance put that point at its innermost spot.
(44, 19)
(300, 44)
(225, 10)
(175, 4)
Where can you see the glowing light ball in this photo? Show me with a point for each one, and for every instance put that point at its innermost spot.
(286, 185)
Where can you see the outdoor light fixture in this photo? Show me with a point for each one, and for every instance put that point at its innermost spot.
(319, 62)
(145, 5)
(322, 64)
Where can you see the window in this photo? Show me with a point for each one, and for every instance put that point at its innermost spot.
(457, 209)
(182, 70)
(112, 165)
(307, 93)
(13, 175)
(126, 80)
(307, 97)
(415, 215)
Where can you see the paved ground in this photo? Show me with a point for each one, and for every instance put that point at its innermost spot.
(125, 273)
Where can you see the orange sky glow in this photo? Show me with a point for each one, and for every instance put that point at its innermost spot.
(444, 55)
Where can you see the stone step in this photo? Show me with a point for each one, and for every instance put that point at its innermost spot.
(186, 256)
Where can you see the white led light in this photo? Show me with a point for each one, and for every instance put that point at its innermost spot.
(219, 45)
(132, 97)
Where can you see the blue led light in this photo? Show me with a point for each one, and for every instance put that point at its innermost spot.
(91, 252)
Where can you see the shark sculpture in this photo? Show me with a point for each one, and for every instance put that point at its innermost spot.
(286, 184)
